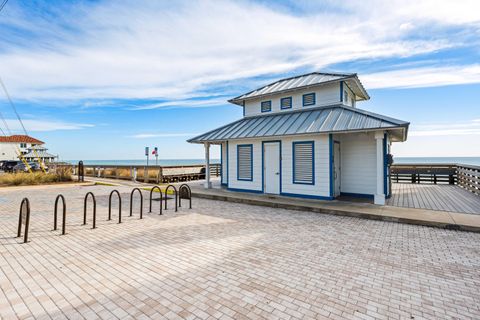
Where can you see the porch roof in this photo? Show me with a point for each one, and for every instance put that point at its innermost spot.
(331, 119)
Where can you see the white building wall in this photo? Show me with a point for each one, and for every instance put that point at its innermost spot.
(348, 100)
(321, 187)
(324, 95)
(8, 150)
(358, 162)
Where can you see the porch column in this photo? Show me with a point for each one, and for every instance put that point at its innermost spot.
(379, 197)
(208, 184)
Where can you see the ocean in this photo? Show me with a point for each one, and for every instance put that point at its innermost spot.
(179, 162)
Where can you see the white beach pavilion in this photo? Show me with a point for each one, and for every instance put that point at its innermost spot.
(305, 137)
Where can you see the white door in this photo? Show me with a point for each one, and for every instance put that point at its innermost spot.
(271, 165)
(336, 169)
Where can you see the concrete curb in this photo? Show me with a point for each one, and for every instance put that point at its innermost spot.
(339, 212)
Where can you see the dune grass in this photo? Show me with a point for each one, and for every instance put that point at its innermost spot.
(35, 178)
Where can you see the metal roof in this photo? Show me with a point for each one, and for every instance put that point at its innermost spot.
(331, 119)
(303, 81)
(39, 154)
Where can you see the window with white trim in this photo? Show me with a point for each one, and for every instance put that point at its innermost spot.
(245, 162)
(345, 94)
(266, 106)
(303, 162)
(308, 99)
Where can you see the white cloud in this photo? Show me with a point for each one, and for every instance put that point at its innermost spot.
(43, 125)
(162, 135)
(446, 129)
(183, 104)
(423, 77)
(170, 50)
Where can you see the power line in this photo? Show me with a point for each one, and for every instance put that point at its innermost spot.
(13, 105)
(3, 4)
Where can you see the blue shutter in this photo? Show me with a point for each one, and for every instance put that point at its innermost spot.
(303, 162)
(266, 106)
(286, 103)
(308, 99)
(245, 162)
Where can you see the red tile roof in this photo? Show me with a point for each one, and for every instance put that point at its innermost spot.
(20, 138)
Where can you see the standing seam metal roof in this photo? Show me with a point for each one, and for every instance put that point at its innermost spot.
(309, 79)
(336, 118)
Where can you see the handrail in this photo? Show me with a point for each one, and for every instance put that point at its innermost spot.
(119, 206)
(94, 209)
(161, 198)
(141, 202)
(176, 196)
(25, 202)
(64, 214)
(185, 188)
(468, 178)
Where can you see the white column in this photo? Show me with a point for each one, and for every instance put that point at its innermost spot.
(379, 197)
(208, 184)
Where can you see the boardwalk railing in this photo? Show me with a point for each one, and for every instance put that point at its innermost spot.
(468, 177)
(424, 173)
(157, 174)
(465, 176)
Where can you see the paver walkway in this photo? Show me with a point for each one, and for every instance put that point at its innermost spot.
(224, 260)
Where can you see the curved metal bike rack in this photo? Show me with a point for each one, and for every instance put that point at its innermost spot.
(119, 206)
(85, 209)
(161, 198)
(141, 202)
(185, 193)
(176, 196)
(26, 203)
(64, 213)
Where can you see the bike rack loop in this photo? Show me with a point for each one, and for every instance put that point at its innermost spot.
(25, 202)
(161, 198)
(64, 214)
(85, 209)
(185, 188)
(119, 206)
(176, 196)
(141, 202)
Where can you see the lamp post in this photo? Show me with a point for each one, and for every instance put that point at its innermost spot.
(147, 153)
(155, 151)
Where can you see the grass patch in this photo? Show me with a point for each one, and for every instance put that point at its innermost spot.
(170, 191)
(34, 178)
(105, 184)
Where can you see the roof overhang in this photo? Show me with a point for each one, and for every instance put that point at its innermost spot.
(351, 80)
(324, 120)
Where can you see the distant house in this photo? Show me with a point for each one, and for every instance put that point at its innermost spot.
(10, 146)
(305, 137)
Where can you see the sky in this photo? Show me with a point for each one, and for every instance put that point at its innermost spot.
(104, 79)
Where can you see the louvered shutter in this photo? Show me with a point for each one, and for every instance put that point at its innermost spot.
(244, 165)
(303, 162)
(309, 99)
(266, 106)
(286, 103)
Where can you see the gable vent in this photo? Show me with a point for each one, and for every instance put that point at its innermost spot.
(286, 103)
(309, 99)
(245, 162)
(266, 106)
(303, 162)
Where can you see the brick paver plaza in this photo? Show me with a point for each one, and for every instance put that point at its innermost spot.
(229, 261)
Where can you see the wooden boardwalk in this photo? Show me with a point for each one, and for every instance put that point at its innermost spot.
(434, 197)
